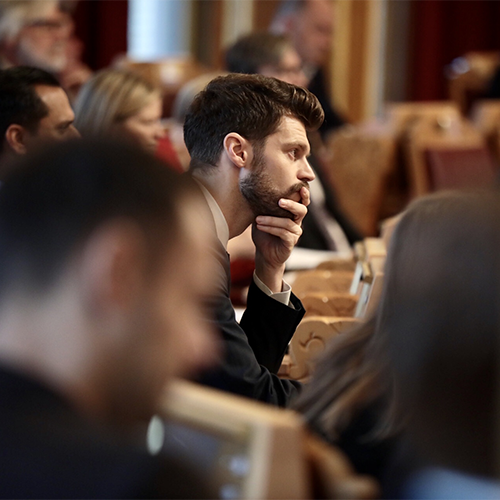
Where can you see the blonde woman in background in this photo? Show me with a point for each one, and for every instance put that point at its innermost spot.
(120, 103)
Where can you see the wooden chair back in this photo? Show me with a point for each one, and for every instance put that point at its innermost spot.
(319, 280)
(359, 165)
(429, 135)
(401, 116)
(254, 450)
(310, 340)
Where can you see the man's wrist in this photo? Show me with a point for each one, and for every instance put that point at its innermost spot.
(271, 276)
(283, 296)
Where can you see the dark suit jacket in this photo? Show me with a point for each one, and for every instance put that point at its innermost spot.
(47, 450)
(333, 119)
(253, 349)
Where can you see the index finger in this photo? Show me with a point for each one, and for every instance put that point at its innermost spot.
(305, 196)
(299, 210)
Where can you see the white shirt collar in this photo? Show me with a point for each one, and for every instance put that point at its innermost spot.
(221, 226)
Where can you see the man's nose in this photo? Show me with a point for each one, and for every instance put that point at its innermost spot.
(306, 173)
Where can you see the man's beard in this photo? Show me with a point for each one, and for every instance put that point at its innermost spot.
(260, 194)
(30, 55)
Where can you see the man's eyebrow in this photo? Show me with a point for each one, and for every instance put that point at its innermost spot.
(296, 144)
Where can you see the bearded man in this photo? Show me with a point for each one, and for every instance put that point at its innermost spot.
(246, 135)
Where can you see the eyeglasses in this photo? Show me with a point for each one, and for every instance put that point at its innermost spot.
(50, 26)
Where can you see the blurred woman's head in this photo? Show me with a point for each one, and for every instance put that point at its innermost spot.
(120, 103)
(431, 353)
(440, 317)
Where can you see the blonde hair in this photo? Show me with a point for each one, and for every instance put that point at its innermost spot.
(109, 98)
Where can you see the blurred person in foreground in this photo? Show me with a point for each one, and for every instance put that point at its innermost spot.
(246, 135)
(325, 227)
(120, 103)
(443, 342)
(34, 110)
(410, 395)
(104, 276)
(40, 34)
(310, 24)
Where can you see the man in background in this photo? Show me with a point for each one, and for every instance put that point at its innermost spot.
(266, 54)
(104, 276)
(34, 109)
(40, 34)
(309, 25)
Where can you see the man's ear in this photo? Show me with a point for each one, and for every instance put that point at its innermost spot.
(113, 268)
(15, 136)
(238, 149)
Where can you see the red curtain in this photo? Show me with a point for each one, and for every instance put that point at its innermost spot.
(102, 27)
(442, 30)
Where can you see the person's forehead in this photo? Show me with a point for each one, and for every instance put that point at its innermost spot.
(318, 12)
(54, 98)
(290, 129)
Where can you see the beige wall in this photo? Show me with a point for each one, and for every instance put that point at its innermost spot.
(358, 56)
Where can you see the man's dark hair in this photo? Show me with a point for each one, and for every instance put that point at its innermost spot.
(51, 202)
(19, 101)
(250, 105)
(250, 52)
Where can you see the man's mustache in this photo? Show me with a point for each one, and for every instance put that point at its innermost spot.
(296, 188)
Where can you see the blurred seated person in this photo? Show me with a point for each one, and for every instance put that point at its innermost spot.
(325, 227)
(121, 103)
(34, 110)
(40, 34)
(441, 287)
(104, 277)
(309, 24)
(443, 342)
(266, 54)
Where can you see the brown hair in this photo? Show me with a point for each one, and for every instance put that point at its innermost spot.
(251, 105)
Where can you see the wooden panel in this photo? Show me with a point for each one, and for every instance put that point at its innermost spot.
(102, 27)
(356, 61)
(207, 32)
(263, 13)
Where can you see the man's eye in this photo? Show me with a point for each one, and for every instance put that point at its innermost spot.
(294, 153)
